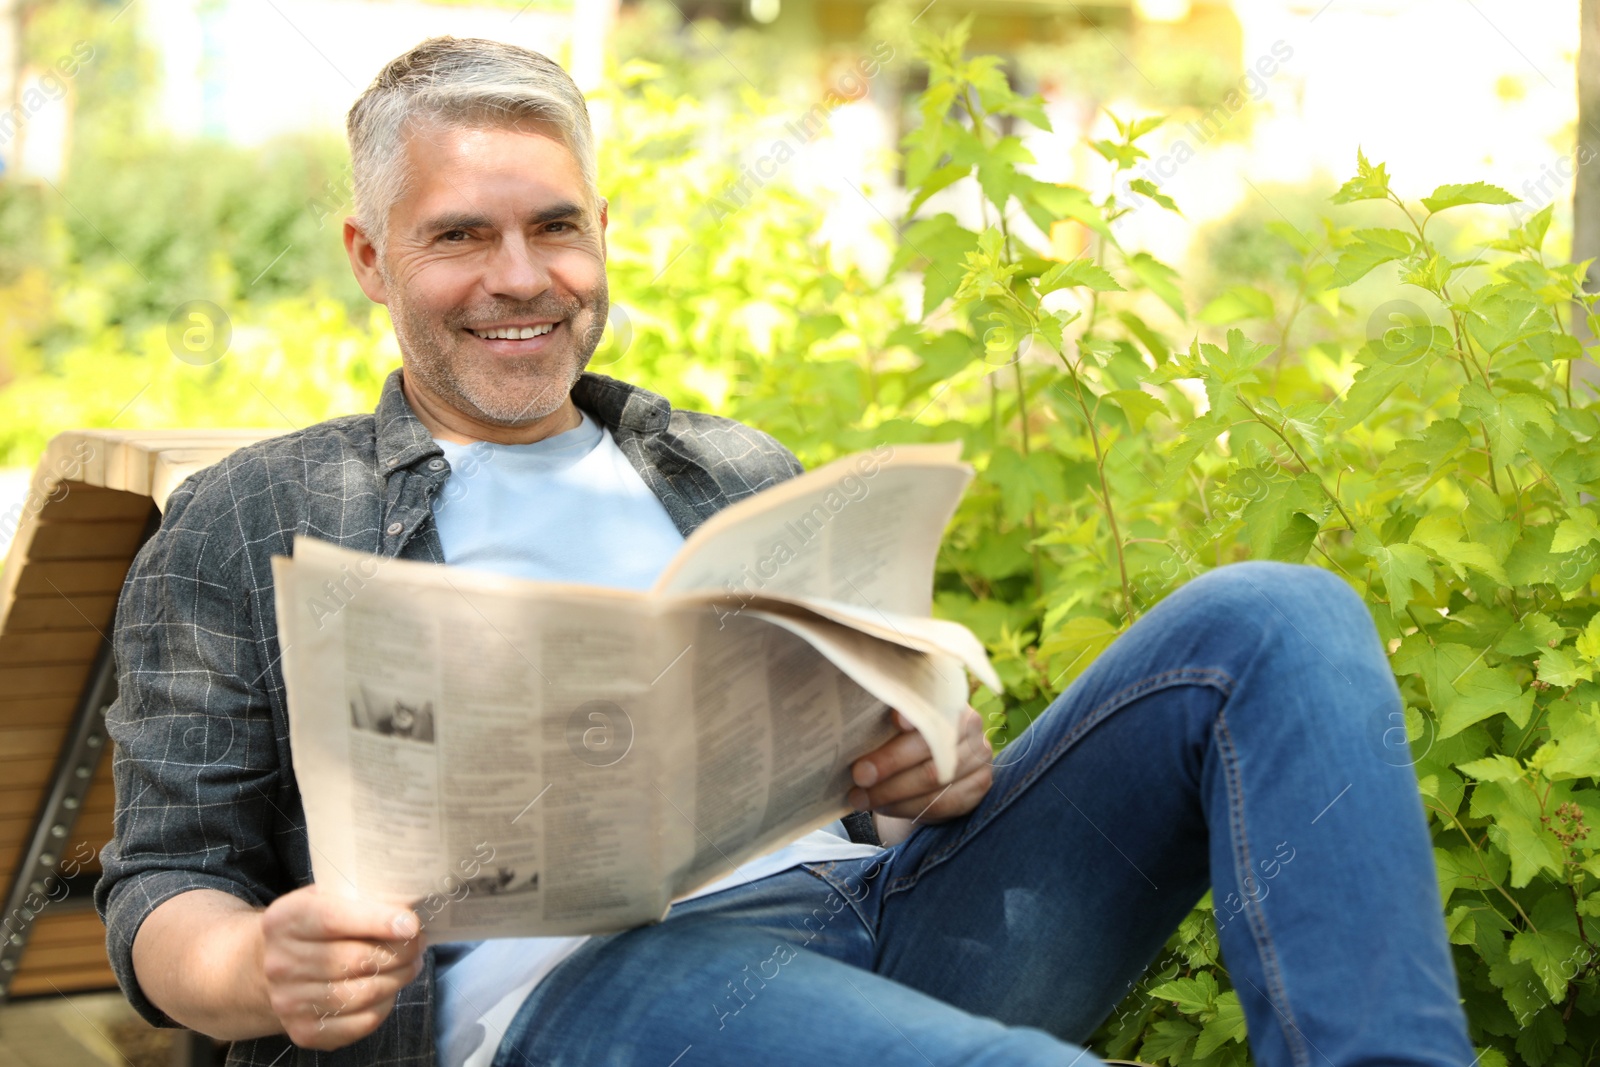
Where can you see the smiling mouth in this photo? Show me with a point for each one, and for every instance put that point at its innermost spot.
(513, 333)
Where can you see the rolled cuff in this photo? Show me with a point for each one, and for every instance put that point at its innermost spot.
(129, 903)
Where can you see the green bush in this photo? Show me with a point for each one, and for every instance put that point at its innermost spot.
(1435, 455)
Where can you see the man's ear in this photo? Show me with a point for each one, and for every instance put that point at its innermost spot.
(364, 262)
(604, 222)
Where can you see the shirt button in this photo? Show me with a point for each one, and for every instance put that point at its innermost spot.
(395, 528)
(436, 464)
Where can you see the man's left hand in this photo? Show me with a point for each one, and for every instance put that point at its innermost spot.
(898, 778)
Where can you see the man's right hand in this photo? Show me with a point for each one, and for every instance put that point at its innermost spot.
(322, 969)
(334, 966)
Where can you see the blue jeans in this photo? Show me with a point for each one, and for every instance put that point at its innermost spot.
(1241, 735)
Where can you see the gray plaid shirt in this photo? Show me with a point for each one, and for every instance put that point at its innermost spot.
(206, 794)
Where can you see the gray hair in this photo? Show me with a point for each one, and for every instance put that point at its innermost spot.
(456, 82)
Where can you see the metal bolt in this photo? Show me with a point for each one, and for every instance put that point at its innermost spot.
(94, 740)
(70, 803)
(58, 830)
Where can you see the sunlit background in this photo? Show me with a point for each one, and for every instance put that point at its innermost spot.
(162, 151)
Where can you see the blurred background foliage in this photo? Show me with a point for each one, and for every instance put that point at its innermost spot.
(1342, 385)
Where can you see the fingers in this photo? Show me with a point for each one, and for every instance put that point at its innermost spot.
(333, 966)
(310, 915)
(948, 802)
(900, 753)
(899, 777)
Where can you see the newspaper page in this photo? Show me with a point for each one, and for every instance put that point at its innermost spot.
(862, 530)
(568, 762)
(454, 742)
(518, 758)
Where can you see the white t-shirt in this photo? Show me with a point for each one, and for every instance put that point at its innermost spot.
(570, 508)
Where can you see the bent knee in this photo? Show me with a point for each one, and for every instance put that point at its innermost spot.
(1260, 583)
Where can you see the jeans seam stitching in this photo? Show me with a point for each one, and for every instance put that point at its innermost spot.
(1107, 707)
(1256, 917)
(825, 873)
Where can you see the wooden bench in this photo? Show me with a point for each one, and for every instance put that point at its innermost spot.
(94, 499)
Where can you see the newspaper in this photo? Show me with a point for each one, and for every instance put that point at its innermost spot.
(517, 758)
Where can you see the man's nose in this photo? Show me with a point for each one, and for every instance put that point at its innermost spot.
(516, 270)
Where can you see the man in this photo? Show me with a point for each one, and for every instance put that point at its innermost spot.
(1223, 741)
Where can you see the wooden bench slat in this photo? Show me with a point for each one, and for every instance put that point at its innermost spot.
(30, 982)
(46, 712)
(91, 503)
(76, 647)
(30, 614)
(29, 742)
(52, 681)
(74, 540)
(73, 577)
(74, 925)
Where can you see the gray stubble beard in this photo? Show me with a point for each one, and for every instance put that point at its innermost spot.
(426, 358)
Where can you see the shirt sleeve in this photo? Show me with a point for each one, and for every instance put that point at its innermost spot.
(197, 756)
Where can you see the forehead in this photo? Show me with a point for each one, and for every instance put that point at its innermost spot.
(485, 168)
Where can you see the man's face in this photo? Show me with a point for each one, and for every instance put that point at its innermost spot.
(494, 272)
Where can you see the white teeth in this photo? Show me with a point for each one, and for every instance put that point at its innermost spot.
(515, 333)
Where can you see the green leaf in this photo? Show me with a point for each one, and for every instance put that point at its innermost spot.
(1046, 203)
(1159, 279)
(1518, 829)
(1557, 668)
(997, 170)
(1372, 247)
(1588, 643)
(1068, 651)
(1124, 156)
(1024, 481)
(1236, 304)
(1464, 690)
(1460, 926)
(1177, 461)
(1447, 196)
(1577, 529)
(1532, 635)
(1153, 342)
(1424, 459)
(1551, 951)
(1168, 1040)
(1399, 565)
(943, 243)
(1137, 405)
(1496, 768)
(1147, 188)
(1380, 376)
(937, 182)
(1227, 1025)
(1442, 535)
(1370, 183)
(1191, 995)
(1506, 416)
(1078, 272)
(1574, 751)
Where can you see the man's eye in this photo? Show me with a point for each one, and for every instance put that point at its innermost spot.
(454, 236)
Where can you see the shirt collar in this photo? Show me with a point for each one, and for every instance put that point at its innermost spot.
(402, 439)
